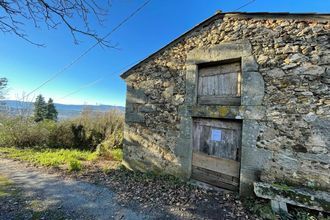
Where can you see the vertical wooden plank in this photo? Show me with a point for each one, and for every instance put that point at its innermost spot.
(200, 86)
(204, 87)
(204, 145)
(232, 84)
(209, 81)
(196, 135)
(235, 80)
(226, 82)
(215, 87)
(238, 83)
(221, 89)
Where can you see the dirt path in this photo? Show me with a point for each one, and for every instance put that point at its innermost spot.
(73, 198)
(39, 193)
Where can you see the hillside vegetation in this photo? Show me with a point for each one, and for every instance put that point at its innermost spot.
(83, 137)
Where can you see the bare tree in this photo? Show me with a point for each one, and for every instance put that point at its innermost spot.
(15, 13)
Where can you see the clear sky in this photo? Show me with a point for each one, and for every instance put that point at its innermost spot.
(27, 66)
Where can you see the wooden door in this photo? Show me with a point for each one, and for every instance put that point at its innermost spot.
(216, 152)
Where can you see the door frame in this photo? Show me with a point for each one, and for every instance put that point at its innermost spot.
(250, 110)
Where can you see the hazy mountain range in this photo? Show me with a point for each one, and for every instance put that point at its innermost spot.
(64, 110)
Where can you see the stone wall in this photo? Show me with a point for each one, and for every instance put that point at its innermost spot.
(290, 138)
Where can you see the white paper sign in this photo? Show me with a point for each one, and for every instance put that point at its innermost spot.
(215, 135)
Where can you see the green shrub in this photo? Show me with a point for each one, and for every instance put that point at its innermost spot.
(21, 132)
(85, 132)
(62, 137)
(100, 128)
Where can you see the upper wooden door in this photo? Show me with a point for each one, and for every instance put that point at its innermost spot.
(216, 152)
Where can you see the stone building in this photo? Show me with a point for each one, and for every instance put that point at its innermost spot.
(242, 97)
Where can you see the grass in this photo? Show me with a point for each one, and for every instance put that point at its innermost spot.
(75, 165)
(72, 159)
(50, 157)
(4, 185)
(116, 154)
(260, 208)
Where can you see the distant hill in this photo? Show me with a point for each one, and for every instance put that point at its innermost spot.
(64, 111)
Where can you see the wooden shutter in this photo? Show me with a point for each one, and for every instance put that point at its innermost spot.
(220, 84)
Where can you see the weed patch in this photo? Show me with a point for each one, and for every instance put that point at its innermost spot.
(4, 185)
(50, 157)
(116, 154)
(260, 208)
(75, 165)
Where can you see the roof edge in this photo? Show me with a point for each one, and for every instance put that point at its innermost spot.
(205, 22)
(267, 15)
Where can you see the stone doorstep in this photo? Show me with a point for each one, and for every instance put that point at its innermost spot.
(280, 195)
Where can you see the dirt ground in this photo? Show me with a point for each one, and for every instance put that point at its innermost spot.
(108, 194)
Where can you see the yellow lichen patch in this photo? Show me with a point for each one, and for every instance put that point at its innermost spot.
(223, 111)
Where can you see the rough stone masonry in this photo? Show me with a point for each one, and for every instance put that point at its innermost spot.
(285, 101)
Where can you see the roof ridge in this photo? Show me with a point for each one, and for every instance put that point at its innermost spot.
(220, 14)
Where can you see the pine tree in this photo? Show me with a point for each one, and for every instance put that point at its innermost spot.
(51, 110)
(40, 109)
(3, 84)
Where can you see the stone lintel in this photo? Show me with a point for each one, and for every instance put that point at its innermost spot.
(228, 112)
(222, 51)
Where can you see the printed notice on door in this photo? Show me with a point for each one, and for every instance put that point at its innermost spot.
(215, 134)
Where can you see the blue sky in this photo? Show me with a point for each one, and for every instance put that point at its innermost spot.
(27, 66)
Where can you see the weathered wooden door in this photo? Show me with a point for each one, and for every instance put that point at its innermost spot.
(219, 84)
(216, 152)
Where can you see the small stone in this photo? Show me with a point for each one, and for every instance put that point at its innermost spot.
(295, 58)
(306, 50)
(289, 66)
(310, 117)
(309, 69)
(307, 93)
(262, 59)
(276, 73)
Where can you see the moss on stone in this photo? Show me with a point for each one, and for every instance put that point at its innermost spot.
(223, 111)
(297, 196)
(282, 186)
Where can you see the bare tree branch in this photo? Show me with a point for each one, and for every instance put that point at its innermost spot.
(15, 13)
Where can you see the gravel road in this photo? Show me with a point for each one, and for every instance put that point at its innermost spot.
(75, 199)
